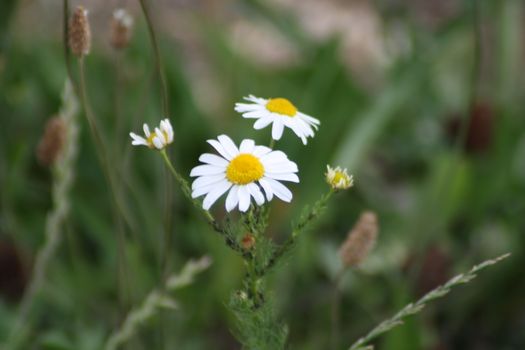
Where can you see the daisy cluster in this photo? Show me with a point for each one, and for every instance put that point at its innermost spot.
(247, 172)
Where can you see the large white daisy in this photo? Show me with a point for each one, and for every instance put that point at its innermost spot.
(279, 112)
(160, 138)
(244, 171)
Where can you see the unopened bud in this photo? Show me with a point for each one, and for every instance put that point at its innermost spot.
(121, 28)
(248, 241)
(52, 142)
(79, 32)
(360, 240)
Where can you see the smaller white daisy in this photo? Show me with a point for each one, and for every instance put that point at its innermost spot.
(160, 138)
(279, 112)
(245, 172)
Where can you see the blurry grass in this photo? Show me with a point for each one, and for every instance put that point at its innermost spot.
(376, 134)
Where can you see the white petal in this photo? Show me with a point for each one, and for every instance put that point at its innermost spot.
(244, 198)
(256, 193)
(233, 198)
(161, 136)
(283, 177)
(274, 157)
(258, 100)
(165, 126)
(308, 119)
(214, 194)
(213, 160)
(206, 180)
(218, 146)
(279, 189)
(262, 123)
(277, 130)
(158, 143)
(201, 170)
(260, 151)
(228, 145)
(245, 107)
(281, 167)
(137, 140)
(247, 146)
(258, 113)
(146, 129)
(202, 190)
(267, 188)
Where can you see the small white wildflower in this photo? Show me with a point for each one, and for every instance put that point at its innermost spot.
(159, 139)
(244, 171)
(338, 178)
(279, 112)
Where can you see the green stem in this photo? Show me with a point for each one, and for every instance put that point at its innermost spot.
(186, 190)
(306, 219)
(102, 154)
(158, 62)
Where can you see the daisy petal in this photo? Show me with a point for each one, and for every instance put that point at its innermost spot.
(146, 129)
(247, 146)
(277, 130)
(214, 194)
(256, 193)
(283, 177)
(244, 198)
(213, 160)
(158, 143)
(228, 145)
(219, 148)
(233, 198)
(201, 170)
(262, 123)
(267, 188)
(279, 168)
(206, 180)
(260, 151)
(279, 190)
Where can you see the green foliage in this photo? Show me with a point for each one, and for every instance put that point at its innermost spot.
(257, 327)
(414, 308)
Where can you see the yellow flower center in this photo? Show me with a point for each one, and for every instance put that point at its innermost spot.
(151, 136)
(281, 106)
(244, 169)
(338, 177)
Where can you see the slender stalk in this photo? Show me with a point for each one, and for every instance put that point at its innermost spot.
(305, 220)
(336, 310)
(119, 213)
(185, 187)
(158, 61)
(272, 143)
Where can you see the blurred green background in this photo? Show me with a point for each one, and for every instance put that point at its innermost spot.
(422, 100)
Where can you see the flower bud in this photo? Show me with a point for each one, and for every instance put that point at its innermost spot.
(248, 241)
(338, 178)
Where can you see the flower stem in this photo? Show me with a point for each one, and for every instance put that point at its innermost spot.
(306, 219)
(158, 62)
(186, 190)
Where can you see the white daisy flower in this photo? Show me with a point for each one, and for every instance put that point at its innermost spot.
(280, 112)
(160, 138)
(244, 171)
